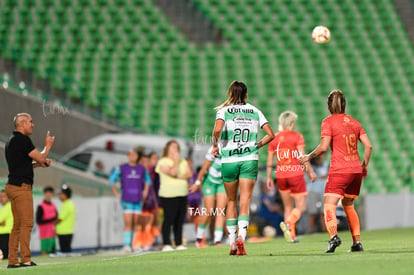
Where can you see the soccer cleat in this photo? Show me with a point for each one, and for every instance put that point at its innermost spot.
(200, 243)
(233, 249)
(127, 249)
(333, 244)
(241, 251)
(295, 240)
(145, 249)
(218, 244)
(356, 247)
(286, 232)
(138, 249)
(181, 247)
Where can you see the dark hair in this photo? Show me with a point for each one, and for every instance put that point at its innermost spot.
(152, 153)
(198, 169)
(314, 161)
(48, 189)
(236, 94)
(141, 156)
(2, 190)
(167, 146)
(67, 191)
(336, 102)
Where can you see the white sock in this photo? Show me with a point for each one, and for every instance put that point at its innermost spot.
(243, 224)
(232, 229)
(218, 234)
(200, 231)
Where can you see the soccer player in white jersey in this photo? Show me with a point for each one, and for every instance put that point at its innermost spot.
(237, 126)
(214, 197)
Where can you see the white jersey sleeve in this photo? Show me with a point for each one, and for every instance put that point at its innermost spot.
(220, 114)
(262, 119)
(209, 156)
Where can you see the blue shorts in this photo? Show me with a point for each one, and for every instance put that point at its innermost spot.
(131, 207)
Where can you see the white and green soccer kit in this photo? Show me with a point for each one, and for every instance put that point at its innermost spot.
(213, 182)
(239, 152)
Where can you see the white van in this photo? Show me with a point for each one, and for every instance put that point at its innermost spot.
(111, 150)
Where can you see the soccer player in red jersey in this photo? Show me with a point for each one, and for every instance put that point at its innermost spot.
(342, 132)
(286, 147)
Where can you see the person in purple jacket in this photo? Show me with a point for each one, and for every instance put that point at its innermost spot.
(135, 183)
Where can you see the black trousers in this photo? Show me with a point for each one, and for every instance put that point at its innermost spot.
(65, 243)
(4, 245)
(174, 215)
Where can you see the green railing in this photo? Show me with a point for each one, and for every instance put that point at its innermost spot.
(56, 87)
(49, 75)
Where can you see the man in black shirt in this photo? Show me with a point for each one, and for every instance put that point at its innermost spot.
(22, 157)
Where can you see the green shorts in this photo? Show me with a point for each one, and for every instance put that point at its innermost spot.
(211, 189)
(48, 245)
(239, 170)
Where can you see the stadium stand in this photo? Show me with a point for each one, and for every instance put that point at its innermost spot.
(125, 59)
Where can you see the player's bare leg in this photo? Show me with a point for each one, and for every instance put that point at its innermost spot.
(204, 220)
(231, 213)
(246, 190)
(288, 208)
(220, 219)
(295, 214)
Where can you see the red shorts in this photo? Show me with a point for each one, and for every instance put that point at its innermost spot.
(344, 185)
(295, 185)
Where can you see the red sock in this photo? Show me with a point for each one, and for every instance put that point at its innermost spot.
(353, 222)
(330, 219)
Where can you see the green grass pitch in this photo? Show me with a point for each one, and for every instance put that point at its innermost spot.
(386, 252)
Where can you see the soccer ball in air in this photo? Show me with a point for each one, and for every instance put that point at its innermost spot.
(321, 34)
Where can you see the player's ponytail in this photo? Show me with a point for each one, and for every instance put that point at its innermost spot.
(336, 102)
(236, 94)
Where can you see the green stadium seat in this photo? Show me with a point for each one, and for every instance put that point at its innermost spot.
(117, 55)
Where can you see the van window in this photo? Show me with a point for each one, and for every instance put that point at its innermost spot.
(80, 161)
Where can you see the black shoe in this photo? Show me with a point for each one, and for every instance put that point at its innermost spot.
(333, 244)
(28, 265)
(356, 247)
(13, 266)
